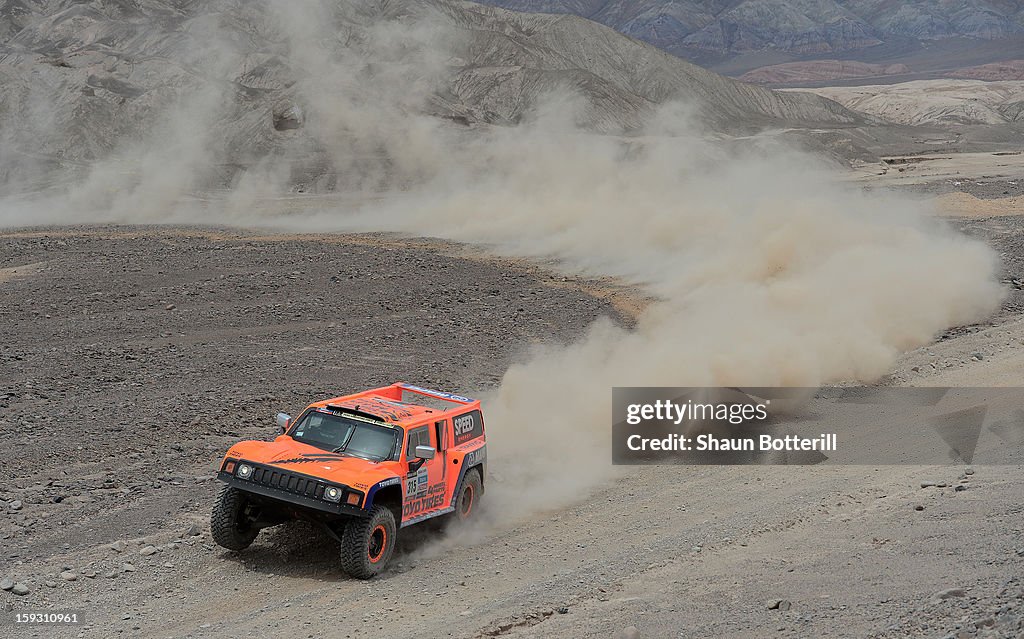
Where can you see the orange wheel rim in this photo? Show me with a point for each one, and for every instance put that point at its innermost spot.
(467, 501)
(377, 543)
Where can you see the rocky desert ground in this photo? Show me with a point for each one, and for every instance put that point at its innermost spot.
(177, 265)
(133, 356)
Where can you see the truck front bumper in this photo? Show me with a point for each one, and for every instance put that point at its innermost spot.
(292, 489)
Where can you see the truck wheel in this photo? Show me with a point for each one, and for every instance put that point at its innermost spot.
(230, 522)
(466, 500)
(367, 544)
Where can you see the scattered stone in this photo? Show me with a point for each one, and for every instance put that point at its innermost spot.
(977, 356)
(119, 546)
(20, 589)
(563, 610)
(69, 575)
(629, 632)
(968, 471)
(128, 568)
(89, 574)
(50, 583)
(960, 488)
(110, 574)
(15, 505)
(148, 550)
(193, 531)
(7, 583)
(919, 507)
(949, 593)
(779, 604)
(927, 484)
(170, 307)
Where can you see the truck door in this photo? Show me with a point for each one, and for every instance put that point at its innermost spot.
(441, 435)
(425, 482)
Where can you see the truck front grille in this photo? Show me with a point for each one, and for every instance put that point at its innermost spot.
(291, 482)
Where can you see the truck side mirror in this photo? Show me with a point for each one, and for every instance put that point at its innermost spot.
(284, 420)
(422, 454)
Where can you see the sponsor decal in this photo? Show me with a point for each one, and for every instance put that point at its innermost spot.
(457, 398)
(416, 484)
(432, 498)
(467, 427)
(475, 456)
(371, 405)
(309, 458)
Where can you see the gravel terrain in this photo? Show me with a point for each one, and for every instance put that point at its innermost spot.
(983, 189)
(134, 356)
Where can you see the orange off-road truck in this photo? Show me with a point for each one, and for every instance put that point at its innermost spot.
(363, 466)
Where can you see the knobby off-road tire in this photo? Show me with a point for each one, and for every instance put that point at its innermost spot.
(469, 495)
(229, 523)
(367, 544)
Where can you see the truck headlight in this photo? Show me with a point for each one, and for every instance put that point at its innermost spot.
(332, 493)
(244, 471)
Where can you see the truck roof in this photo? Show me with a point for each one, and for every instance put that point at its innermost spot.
(395, 403)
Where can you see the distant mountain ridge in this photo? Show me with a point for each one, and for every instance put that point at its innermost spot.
(83, 77)
(820, 70)
(687, 27)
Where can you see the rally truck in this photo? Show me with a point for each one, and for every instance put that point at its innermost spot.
(362, 466)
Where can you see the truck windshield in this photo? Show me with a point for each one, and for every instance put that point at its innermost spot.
(345, 435)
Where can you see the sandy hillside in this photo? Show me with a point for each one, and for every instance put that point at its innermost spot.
(935, 101)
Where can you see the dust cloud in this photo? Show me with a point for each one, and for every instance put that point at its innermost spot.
(767, 271)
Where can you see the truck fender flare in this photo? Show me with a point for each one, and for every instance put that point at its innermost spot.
(476, 458)
(384, 483)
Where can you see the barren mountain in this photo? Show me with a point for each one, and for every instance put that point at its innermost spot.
(694, 28)
(1009, 70)
(815, 71)
(930, 102)
(931, 37)
(85, 78)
